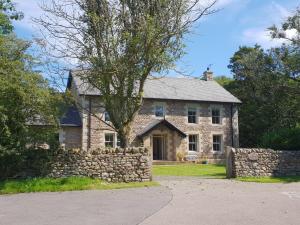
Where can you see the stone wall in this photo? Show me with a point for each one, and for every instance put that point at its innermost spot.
(108, 164)
(261, 162)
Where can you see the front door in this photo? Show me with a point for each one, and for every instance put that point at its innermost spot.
(158, 147)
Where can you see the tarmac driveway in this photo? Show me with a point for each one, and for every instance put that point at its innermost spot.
(227, 202)
(179, 201)
(99, 207)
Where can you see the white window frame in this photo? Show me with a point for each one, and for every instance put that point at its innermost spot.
(118, 141)
(197, 142)
(221, 143)
(113, 141)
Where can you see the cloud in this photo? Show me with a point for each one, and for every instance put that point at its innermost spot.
(259, 36)
(31, 9)
(274, 13)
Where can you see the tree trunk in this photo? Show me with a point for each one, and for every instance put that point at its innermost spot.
(124, 133)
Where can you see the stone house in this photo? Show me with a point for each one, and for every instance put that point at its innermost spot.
(198, 117)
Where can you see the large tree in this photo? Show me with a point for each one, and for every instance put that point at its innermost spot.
(271, 101)
(8, 13)
(120, 43)
(25, 95)
(289, 31)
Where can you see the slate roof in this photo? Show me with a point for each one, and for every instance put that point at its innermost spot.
(71, 117)
(155, 123)
(190, 89)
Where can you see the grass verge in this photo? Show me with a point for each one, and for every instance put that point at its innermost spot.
(64, 184)
(288, 179)
(210, 170)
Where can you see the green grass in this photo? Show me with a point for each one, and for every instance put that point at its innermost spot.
(64, 184)
(210, 170)
(288, 179)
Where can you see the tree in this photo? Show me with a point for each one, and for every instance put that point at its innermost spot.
(271, 101)
(120, 43)
(8, 13)
(25, 95)
(223, 80)
(291, 50)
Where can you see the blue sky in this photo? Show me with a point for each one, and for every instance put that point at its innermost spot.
(214, 39)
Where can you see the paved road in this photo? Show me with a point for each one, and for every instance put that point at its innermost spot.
(180, 201)
(225, 202)
(113, 207)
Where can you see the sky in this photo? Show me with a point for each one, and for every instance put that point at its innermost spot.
(214, 39)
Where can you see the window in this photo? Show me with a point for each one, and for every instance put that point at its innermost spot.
(216, 116)
(118, 141)
(217, 142)
(159, 111)
(106, 117)
(192, 112)
(109, 140)
(193, 142)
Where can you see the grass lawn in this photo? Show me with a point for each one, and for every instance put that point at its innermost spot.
(288, 179)
(210, 170)
(64, 184)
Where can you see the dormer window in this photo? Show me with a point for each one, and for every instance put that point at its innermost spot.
(216, 116)
(106, 117)
(159, 111)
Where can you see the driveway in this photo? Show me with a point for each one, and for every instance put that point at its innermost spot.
(227, 202)
(179, 201)
(106, 207)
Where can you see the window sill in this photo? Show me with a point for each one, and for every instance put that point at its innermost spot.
(216, 124)
(192, 152)
(217, 152)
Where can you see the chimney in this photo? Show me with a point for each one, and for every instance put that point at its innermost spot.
(208, 75)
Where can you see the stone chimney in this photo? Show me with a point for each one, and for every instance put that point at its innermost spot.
(208, 75)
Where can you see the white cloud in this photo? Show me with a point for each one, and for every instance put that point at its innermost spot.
(31, 9)
(259, 36)
(272, 14)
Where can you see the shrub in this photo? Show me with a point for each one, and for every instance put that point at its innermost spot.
(26, 163)
(282, 139)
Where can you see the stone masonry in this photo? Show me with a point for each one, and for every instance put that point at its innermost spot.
(93, 130)
(108, 164)
(261, 162)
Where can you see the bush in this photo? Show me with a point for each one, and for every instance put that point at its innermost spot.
(24, 164)
(282, 139)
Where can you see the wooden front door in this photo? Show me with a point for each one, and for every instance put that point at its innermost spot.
(158, 147)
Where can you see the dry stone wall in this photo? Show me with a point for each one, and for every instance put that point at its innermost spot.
(112, 165)
(242, 162)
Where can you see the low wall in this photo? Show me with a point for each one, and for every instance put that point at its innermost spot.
(108, 164)
(241, 162)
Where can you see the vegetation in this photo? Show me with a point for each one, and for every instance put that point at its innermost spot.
(287, 179)
(120, 44)
(211, 170)
(285, 138)
(267, 82)
(26, 100)
(64, 184)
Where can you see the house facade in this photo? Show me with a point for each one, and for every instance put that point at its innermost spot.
(198, 117)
